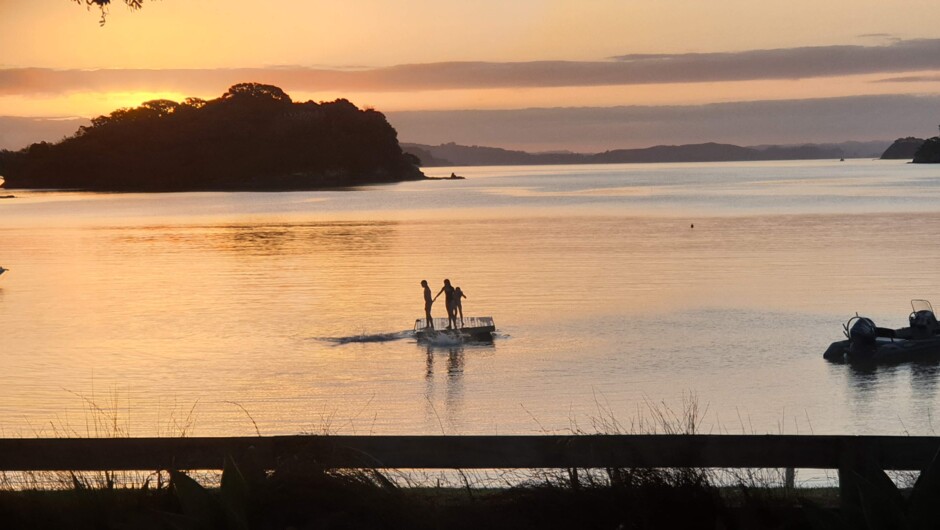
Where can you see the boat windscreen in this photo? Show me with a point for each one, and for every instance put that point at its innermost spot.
(921, 305)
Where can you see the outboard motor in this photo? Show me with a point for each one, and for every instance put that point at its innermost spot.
(862, 334)
(863, 331)
(923, 324)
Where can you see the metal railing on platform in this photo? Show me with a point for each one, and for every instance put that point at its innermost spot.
(467, 322)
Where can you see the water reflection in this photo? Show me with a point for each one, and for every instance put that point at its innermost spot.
(923, 395)
(261, 239)
(203, 297)
(924, 379)
(301, 238)
(453, 369)
(864, 377)
(264, 239)
(880, 390)
(862, 392)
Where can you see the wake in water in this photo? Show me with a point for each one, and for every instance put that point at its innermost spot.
(375, 337)
(443, 340)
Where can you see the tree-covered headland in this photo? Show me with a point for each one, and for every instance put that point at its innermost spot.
(902, 148)
(253, 137)
(929, 152)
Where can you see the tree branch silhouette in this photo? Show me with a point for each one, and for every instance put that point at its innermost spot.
(103, 6)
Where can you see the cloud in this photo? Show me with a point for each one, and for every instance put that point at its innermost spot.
(788, 63)
(633, 69)
(930, 78)
(887, 37)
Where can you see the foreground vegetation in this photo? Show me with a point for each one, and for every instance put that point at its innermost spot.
(300, 494)
(253, 137)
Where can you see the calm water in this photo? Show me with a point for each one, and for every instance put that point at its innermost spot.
(220, 313)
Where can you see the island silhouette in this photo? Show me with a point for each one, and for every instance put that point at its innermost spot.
(920, 151)
(252, 138)
(928, 152)
(903, 148)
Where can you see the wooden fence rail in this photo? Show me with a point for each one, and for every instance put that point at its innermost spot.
(472, 452)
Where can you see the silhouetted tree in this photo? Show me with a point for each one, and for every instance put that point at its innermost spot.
(256, 91)
(103, 6)
(929, 152)
(195, 103)
(162, 107)
(252, 137)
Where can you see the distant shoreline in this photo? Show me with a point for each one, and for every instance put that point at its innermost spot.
(452, 154)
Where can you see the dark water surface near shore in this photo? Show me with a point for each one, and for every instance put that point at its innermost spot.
(210, 313)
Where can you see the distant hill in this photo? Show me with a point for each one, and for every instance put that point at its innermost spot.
(425, 157)
(929, 152)
(253, 137)
(709, 152)
(452, 154)
(902, 149)
(870, 149)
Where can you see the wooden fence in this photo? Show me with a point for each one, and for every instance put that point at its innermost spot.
(473, 452)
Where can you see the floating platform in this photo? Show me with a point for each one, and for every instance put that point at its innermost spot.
(476, 329)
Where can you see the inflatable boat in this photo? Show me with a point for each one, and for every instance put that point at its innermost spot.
(867, 343)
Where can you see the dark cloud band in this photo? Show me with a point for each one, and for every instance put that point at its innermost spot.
(635, 69)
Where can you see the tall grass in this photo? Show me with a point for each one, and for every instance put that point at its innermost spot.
(108, 416)
(301, 493)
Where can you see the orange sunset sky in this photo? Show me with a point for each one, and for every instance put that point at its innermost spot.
(586, 75)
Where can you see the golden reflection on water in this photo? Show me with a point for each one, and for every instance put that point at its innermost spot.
(224, 314)
(301, 319)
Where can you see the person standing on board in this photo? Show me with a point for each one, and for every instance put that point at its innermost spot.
(428, 301)
(448, 291)
(458, 306)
